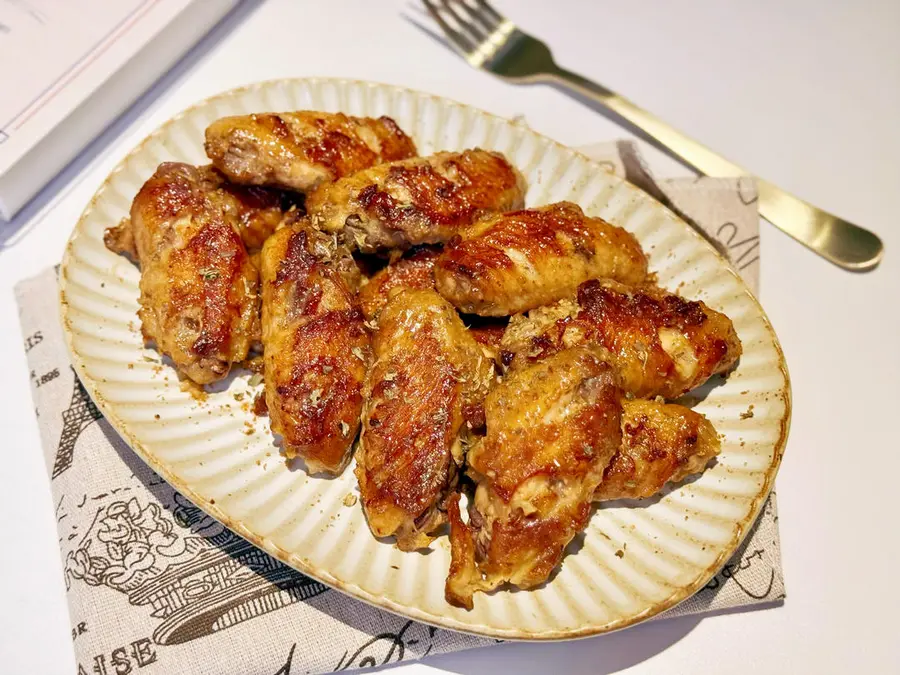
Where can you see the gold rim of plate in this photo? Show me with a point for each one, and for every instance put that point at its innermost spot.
(556, 611)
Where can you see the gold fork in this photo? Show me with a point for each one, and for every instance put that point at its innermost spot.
(490, 41)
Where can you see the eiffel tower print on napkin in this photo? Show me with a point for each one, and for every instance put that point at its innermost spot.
(76, 418)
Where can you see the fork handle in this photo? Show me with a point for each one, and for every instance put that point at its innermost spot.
(839, 241)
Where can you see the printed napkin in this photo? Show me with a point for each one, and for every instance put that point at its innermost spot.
(156, 586)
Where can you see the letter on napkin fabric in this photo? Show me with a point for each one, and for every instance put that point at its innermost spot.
(156, 586)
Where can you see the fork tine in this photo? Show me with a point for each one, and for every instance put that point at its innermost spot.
(485, 19)
(489, 11)
(461, 42)
(465, 24)
(466, 17)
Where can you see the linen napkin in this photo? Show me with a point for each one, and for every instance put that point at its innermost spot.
(156, 586)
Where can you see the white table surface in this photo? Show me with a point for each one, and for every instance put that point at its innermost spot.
(803, 92)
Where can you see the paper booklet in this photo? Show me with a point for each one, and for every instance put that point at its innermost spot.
(68, 68)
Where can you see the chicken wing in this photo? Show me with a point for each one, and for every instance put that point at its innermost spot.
(255, 211)
(525, 259)
(423, 393)
(661, 344)
(426, 200)
(414, 270)
(316, 346)
(301, 150)
(198, 287)
(661, 443)
(552, 427)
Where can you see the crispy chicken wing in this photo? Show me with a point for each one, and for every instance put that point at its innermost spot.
(661, 443)
(414, 270)
(301, 150)
(316, 346)
(661, 344)
(426, 200)
(525, 259)
(552, 427)
(255, 211)
(423, 393)
(198, 287)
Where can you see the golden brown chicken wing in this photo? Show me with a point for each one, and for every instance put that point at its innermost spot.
(414, 270)
(255, 211)
(661, 443)
(426, 200)
(198, 287)
(423, 392)
(525, 259)
(552, 427)
(301, 150)
(661, 344)
(316, 345)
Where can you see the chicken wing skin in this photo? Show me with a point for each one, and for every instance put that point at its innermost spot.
(255, 211)
(661, 344)
(316, 346)
(426, 200)
(661, 443)
(198, 299)
(414, 270)
(552, 427)
(525, 259)
(301, 150)
(423, 392)
(120, 239)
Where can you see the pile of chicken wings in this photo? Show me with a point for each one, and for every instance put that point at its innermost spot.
(411, 309)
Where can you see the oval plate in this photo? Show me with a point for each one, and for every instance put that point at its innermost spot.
(223, 459)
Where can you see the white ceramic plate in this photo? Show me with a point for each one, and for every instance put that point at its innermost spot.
(222, 458)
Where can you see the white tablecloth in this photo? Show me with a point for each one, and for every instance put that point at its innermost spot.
(802, 92)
